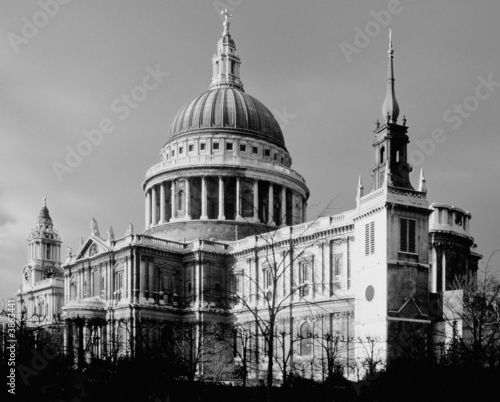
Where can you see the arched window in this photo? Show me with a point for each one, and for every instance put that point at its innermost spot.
(382, 154)
(305, 339)
(397, 156)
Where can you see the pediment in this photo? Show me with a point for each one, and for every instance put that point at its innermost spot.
(92, 247)
(409, 309)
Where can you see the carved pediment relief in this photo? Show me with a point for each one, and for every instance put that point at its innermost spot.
(92, 248)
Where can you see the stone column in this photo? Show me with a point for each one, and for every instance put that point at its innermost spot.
(148, 210)
(270, 209)
(151, 282)
(156, 283)
(142, 273)
(434, 269)
(188, 198)
(283, 206)
(238, 198)
(256, 200)
(153, 205)
(162, 203)
(443, 270)
(204, 214)
(172, 202)
(221, 199)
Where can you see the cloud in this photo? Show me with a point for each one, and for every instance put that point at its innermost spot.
(6, 218)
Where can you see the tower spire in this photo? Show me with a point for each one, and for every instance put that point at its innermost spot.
(390, 109)
(226, 63)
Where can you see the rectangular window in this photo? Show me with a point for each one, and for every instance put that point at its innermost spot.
(243, 148)
(229, 146)
(304, 272)
(255, 150)
(450, 217)
(181, 150)
(173, 153)
(215, 146)
(370, 238)
(190, 147)
(282, 159)
(275, 157)
(408, 235)
(203, 146)
(440, 216)
(267, 278)
(267, 152)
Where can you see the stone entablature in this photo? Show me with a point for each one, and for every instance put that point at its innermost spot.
(226, 161)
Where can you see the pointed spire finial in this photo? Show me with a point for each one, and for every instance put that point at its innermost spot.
(388, 175)
(421, 182)
(390, 109)
(360, 191)
(360, 187)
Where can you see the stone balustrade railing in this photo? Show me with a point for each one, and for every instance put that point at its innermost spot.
(227, 160)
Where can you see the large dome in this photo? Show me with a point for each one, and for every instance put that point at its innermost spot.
(228, 109)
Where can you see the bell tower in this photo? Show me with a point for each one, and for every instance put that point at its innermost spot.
(40, 295)
(390, 143)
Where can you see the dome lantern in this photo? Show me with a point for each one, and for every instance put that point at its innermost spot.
(226, 63)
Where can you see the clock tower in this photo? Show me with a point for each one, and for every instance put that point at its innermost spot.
(40, 295)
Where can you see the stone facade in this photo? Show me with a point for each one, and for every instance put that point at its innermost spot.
(226, 235)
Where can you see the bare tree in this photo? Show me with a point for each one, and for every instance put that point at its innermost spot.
(334, 350)
(471, 314)
(372, 359)
(280, 279)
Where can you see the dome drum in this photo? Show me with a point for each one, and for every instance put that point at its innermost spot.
(224, 198)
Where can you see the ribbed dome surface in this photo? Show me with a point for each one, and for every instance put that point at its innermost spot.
(44, 213)
(227, 109)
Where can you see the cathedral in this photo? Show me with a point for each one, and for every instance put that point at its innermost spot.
(227, 240)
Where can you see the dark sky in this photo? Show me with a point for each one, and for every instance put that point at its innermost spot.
(305, 60)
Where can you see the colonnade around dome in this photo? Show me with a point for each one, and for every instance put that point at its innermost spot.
(223, 197)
